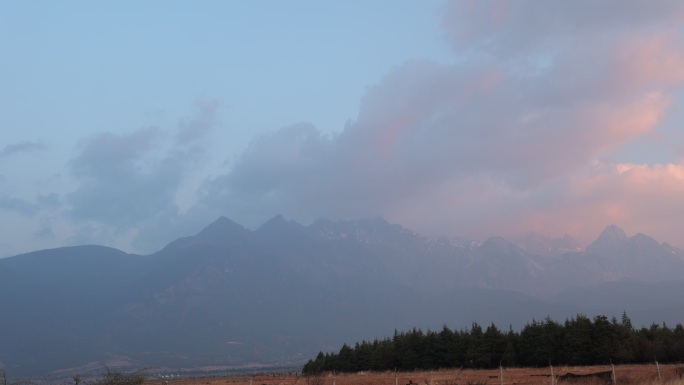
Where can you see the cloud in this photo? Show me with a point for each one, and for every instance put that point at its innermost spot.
(128, 181)
(540, 94)
(22, 147)
(26, 207)
(21, 206)
(109, 155)
(638, 197)
(526, 28)
(196, 127)
(122, 182)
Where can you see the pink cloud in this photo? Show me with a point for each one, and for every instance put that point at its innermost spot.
(516, 136)
(640, 198)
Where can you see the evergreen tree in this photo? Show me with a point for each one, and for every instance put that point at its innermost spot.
(579, 341)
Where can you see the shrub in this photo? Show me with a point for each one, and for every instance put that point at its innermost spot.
(116, 378)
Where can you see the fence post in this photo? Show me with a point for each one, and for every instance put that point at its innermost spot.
(612, 374)
(551, 366)
(396, 377)
(500, 373)
(657, 369)
(334, 378)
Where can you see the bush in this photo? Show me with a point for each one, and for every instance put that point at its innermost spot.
(116, 378)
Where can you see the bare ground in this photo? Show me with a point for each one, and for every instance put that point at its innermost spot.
(624, 374)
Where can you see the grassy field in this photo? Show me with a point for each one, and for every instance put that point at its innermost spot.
(624, 374)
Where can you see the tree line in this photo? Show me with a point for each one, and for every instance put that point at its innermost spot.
(578, 341)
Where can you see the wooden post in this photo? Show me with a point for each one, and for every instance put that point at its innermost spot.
(551, 366)
(612, 374)
(250, 381)
(500, 373)
(657, 369)
(396, 377)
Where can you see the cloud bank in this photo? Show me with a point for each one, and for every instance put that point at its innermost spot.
(129, 182)
(519, 134)
(524, 130)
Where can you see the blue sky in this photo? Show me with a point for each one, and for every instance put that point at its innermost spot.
(132, 123)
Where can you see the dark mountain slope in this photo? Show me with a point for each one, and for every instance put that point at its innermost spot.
(281, 293)
(60, 304)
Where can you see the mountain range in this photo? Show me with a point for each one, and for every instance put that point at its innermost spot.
(232, 297)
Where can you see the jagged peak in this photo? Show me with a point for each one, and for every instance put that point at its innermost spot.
(612, 238)
(378, 222)
(612, 233)
(364, 229)
(496, 240)
(277, 219)
(221, 227)
(321, 222)
(381, 221)
(498, 243)
(543, 245)
(643, 240)
(497, 247)
(569, 239)
(277, 223)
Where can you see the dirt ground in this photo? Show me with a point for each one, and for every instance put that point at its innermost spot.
(625, 374)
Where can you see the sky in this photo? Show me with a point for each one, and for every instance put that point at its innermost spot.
(130, 124)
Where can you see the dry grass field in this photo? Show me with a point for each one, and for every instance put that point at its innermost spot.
(625, 374)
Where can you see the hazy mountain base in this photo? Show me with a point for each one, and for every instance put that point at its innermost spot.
(278, 295)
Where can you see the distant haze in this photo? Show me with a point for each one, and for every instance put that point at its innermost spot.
(129, 125)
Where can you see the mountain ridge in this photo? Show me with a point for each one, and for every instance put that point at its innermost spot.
(285, 291)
